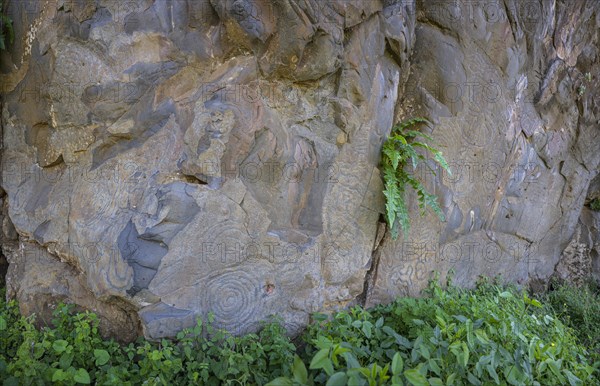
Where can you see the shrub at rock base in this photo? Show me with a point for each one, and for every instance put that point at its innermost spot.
(490, 335)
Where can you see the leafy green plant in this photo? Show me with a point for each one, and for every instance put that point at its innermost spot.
(398, 154)
(595, 204)
(490, 335)
(6, 29)
(580, 308)
(73, 352)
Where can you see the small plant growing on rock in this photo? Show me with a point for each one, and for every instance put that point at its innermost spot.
(400, 151)
(5, 27)
(595, 204)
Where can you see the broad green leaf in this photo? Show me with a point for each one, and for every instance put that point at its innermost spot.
(531, 349)
(536, 303)
(492, 372)
(513, 375)
(340, 350)
(415, 378)
(366, 329)
(465, 358)
(321, 361)
(482, 336)
(337, 379)
(434, 366)
(355, 380)
(435, 381)
(281, 381)
(397, 364)
(319, 358)
(299, 370)
(397, 381)
(65, 360)
(60, 345)
(455, 348)
(351, 360)
(473, 380)
(59, 375)
(554, 366)
(451, 378)
(102, 357)
(573, 379)
(469, 325)
(402, 341)
(82, 376)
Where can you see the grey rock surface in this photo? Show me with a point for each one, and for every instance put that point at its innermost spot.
(163, 159)
(508, 87)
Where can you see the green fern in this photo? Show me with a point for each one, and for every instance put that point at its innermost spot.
(5, 25)
(399, 151)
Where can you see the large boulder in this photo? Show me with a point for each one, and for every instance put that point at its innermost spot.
(166, 159)
(512, 90)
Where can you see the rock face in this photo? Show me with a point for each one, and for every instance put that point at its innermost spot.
(166, 159)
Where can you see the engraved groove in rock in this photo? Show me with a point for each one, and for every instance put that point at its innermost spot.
(225, 242)
(350, 191)
(102, 205)
(401, 278)
(233, 297)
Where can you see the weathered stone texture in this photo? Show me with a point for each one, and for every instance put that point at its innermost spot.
(163, 159)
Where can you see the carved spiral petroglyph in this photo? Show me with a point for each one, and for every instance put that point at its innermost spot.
(233, 297)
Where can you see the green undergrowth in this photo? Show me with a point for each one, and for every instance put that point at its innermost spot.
(6, 29)
(491, 335)
(580, 309)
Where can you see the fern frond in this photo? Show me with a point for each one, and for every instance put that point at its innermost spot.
(422, 145)
(397, 151)
(439, 158)
(414, 156)
(415, 134)
(399, 138)
(393, 157)
(411, 122)
(432, 202)
(391, 192)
